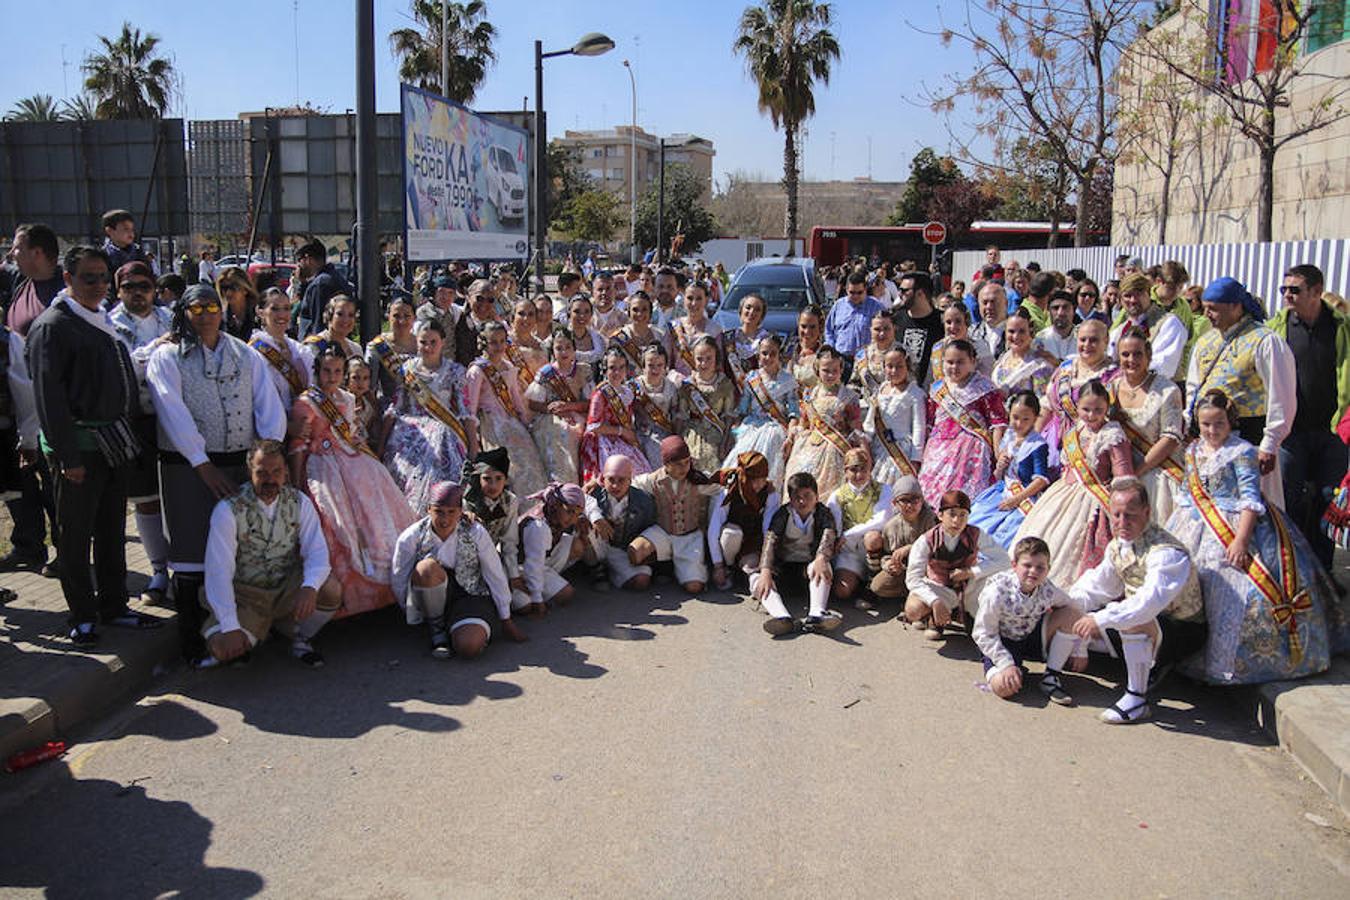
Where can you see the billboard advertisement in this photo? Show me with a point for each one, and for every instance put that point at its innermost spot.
(466, 182)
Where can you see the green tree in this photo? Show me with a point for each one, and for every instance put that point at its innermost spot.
(566, 181)
(37, 108)
(927, 172)
(129, 79)
(418, 49)
(788, 46)
(685, 212)
(80, 108)
(592, 215)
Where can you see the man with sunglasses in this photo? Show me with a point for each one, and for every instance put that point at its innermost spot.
(85, 387)
(140, 324)
(214, 397)
(1312, 457)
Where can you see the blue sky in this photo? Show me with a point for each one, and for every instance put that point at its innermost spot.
(240, 55)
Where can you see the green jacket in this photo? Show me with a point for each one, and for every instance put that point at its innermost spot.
(1279, 323)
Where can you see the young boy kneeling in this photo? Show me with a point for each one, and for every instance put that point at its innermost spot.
(948, 565)
(1023, 616)
(796, 556)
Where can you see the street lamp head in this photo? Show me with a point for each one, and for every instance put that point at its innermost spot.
(592, 44)
(625, 64)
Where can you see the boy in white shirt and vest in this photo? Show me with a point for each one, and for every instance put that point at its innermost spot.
(796, 558)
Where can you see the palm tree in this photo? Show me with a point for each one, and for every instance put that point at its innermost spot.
(129, 80)
(419, 49)
(787, 46)
(80, 108)
(37, 108)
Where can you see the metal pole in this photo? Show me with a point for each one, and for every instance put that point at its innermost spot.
(540, 169)
(632, 176)
(445, 48)
(661, 208)
(367, 194)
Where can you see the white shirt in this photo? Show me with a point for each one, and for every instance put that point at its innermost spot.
(1060, 347)
(21, 394)
(206, 271)
(990, 558)
(535, 539)
(1168, 339)
(489, 563)
(880, 513)
(717, 520)
(1099, 590)
(617, 509)
(222, 542)
(166, 390)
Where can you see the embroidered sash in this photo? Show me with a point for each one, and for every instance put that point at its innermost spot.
(819, 424)
(650, 407)
(559, 385)
(968, 421)
(340, 424)
(734, 363)
(888, 441)
(630, 347)
(760, 391)
(389, 358)
(1077, 459)
(283, 365)
(426, 398)
(517, 357)
(616, 405)
(1016, 485)
(701, 406)
(1283, 594)
(1173, 469)
(500, 388)
(682, 344)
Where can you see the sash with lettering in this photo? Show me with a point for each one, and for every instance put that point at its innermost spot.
(499, 387)
(616, 405)
(340, 424)
(554, 379)
(390, 359)
(650, 407)
(887, 438)
(1073, 455)
(517, 357)
(1284, 595)
(283, 365)
(702, 407)
(682, 344)
(630, 347)
(969, 421)
(1173, 469)
(867, 377)
(760, 391)
(819, 424)
(733, 358)
(426, 398)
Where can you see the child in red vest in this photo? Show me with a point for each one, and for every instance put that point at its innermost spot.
(948, 567)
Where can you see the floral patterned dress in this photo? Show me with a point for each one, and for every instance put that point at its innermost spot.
(500, 425)
(559, 437)
(803, 368)
(956, 456)
(422, 449)
(741, 352)
(1071, 516)
(984, 358)
(1159, 415)
(1247, 643)
(610, 406)
(654, 414)
(361, 509)
(1061, 395)
(1013, 375)
(831, 421)
(707, 439)
(759, 429)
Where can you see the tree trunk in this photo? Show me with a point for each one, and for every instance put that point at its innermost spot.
(790, 183)
(1265, 198)
(1080, 219)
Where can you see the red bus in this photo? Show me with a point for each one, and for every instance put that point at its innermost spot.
(831, 245)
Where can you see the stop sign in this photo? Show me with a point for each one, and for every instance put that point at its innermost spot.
(934, 233)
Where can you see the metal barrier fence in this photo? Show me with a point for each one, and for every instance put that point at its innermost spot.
(1259, 267)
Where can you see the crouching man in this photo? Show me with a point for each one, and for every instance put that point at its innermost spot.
(266, 565)
(619, 513)
(461, 611)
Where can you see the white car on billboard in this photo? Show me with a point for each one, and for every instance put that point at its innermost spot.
(506, 189)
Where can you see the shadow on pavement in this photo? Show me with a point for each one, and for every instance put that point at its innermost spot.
(129, 844)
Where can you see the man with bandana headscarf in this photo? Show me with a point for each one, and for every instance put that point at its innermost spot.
(619, 513)
(1254, 367)
(681, 494)
(740, 517)
(550, 542)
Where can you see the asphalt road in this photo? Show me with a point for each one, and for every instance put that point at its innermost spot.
(656, 746)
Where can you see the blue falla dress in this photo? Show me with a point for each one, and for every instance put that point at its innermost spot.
(1030, 459)
(1252, 638)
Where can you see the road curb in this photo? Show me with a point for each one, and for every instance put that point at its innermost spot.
(86, 686)
(1310, 719)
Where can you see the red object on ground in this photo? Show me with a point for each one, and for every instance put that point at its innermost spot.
(28, 758)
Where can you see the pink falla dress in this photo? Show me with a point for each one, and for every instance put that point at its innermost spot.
(502, 427)
(361, 509)
(956, 457)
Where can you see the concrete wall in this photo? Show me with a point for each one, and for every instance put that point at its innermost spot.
(1215, 182)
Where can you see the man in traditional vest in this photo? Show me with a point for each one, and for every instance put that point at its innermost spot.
(1165, 331)
(618, 513)
(1254, 367)
(139, 324)
(1144, 573)
(681, 496)
(266, 565)
(213, 398)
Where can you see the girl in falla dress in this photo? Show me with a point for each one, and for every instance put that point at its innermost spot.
(704, 408)
(767, 409)
(968, 418)
(830, 425)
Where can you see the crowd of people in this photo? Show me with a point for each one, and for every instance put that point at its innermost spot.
(1141, 470)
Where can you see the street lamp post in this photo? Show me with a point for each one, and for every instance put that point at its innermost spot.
(632, 170)
(592, 44)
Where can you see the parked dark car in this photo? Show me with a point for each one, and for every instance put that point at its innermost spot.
(787, 285)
